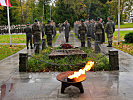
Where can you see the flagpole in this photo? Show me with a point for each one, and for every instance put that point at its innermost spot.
(118, 22)
(9, 23)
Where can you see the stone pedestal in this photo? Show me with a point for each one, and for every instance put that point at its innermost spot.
(37, 47)
(23, 62)
(97, 47)
(88, 41)
(113, 59)
(43, 44)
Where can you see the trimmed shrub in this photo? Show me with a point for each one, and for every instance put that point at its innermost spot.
(129, 37)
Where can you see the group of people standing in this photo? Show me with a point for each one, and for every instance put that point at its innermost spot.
(35, 32)
(95, 30)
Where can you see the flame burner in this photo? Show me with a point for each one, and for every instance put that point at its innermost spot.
(66, 82)
(70, 80)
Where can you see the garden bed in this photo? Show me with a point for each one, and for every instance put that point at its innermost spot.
(42, 63)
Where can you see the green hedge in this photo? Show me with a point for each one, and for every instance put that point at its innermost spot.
(129, 37)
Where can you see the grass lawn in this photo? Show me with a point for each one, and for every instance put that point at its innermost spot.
(115, 35)
(125, 47)
(14, 38)
(6, 50)
(127, 25)
(18, 38)
(54, 40)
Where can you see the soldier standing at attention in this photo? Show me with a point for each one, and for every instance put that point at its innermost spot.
(28, 31)
(110, 29)
(67, 30)
(103, 35)
(49, 32)
(98, 30)
(82, 31)
(36, 29)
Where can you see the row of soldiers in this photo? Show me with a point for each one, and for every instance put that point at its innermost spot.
(95, 30)
(13, 29)
(37, 31)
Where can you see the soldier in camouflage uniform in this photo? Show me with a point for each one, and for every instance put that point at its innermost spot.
(82, 31)
(103, 35)
(67, 30)
(109, 29)
(49, 32)
(91, 29)
(28, 31)
(98, 30)
(36, 29)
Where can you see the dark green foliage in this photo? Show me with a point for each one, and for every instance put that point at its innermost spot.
(104, 1)
(98, 10)
(3, 16)
(129, 37)
(63, 12)
(67, 63)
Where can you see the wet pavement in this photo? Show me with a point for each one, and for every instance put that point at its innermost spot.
(104, 85)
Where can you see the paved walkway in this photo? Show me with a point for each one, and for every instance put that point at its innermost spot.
(114, 85)
(125, 29)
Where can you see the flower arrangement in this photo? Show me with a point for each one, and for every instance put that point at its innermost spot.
(65, 46)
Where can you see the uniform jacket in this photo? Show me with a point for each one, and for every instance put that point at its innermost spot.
(67, 30)
(48, 29)
(110, 27)
(98, 27)
(28, 31)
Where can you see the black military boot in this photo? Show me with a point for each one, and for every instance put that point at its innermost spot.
(67, 40)
(110, 44)
(82, 44)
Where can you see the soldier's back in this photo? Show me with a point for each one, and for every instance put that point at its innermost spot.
(28, 31)
(109, 27)
(98, 28)
(48, 29)
(36, 27)
(82, 28)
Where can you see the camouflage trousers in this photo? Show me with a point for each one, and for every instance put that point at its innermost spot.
(98, 37)
(110, 36)
(36, 37)
(29, 39)
(49, 40)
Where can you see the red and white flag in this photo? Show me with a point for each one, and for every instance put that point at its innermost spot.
(4, 3)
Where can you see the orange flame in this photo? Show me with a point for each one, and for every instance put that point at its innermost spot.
(87, 67)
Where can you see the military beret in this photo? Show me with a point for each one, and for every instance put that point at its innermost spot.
(82, 20)
(28, 22)
(98, 18)
(48, 20)
(36, 19)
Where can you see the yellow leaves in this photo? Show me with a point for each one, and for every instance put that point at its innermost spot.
(83, 5)
(128, 48)
(1, 7)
